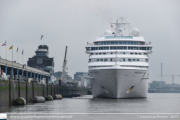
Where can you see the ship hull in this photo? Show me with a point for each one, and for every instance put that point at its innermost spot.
(119, 83)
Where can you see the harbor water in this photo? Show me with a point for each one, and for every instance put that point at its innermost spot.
(154, 103)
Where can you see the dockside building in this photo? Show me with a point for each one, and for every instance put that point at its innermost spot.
(41, 60)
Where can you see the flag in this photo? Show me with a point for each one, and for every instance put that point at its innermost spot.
(22, 52)
(17, 50)
(112, 26)
(4, 43)
(11, 47)
(41, 37)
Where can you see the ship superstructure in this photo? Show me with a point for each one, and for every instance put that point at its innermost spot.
(118, 63)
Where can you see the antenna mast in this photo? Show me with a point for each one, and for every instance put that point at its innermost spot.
(118, 26)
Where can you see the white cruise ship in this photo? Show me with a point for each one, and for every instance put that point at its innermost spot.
(118, 63)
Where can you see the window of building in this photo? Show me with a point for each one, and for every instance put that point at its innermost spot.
(39, 61)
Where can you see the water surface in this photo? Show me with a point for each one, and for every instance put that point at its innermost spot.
(154, 103)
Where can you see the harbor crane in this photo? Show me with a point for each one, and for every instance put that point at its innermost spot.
(64, 66)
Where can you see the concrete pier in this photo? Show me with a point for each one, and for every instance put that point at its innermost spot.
(10, 90)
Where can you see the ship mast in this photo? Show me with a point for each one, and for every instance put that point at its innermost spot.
(120, 26)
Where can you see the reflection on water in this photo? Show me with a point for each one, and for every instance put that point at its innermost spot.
(155, 103)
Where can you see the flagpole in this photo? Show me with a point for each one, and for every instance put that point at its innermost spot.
(6, 53)
(17, 54)
(12, 55)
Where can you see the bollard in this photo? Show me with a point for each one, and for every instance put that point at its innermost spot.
(39, 99)
(49, 98)
(57, 96)
(20, 101)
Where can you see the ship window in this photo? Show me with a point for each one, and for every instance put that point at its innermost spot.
(124, 53)
(108, 43)
(97, 59)
(104, 43)
(113, 48)
(116, 42)
(128, 42)
(135, 53)
(140, 53)
(99, 53)
(111, 59)
(101, 43)
(89, 60)
(134, 60)
(104, 53)
(147, 48)
(137, 59)
(146, 60)
(129, 60)
(125, 47)
(96, 53)
(150, 48)
(131, 43)
(105, 60)
(135, 48)
(111, 53)
(112, 42)
(124, 59)
(120, 42)
(143, 48)
(101, 59)
(118, 48)
(124, 42)
(106, 48)
(131, 53)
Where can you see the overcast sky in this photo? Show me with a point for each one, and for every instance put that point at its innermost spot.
(76, 22)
